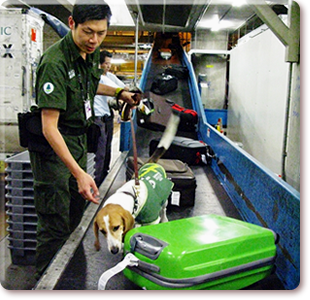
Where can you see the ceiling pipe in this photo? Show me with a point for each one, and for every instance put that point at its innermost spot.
(164, 17)
(286, 123)
(136, 49)
(201, 16)
(202, 51)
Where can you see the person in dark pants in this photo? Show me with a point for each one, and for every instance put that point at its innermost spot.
(105, 119)
(66, 83)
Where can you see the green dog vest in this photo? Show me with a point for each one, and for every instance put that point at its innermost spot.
(158, 189)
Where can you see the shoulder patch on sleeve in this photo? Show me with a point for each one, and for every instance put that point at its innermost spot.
(48, 88)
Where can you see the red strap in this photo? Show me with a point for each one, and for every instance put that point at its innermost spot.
(184, 110)
(177, 107)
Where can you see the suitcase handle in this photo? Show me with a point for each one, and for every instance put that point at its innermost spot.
(147, 245)
(147, 267)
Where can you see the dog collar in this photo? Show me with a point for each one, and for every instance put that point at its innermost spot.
(135, 198)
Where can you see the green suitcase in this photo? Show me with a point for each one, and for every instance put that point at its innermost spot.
(205, 252)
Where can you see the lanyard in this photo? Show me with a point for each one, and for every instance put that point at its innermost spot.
(79, 76)
(86, 100)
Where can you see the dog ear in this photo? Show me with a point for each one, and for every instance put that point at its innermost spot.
(128, 221)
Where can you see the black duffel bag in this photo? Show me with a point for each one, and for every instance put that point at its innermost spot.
(177, 71)
(164, 84)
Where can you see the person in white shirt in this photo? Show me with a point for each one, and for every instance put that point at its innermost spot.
(104, 116)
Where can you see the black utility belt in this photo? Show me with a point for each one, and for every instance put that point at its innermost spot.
(31, 136)
(104, 118)
(72, 131)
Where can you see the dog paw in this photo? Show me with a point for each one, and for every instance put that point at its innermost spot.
(97, 246)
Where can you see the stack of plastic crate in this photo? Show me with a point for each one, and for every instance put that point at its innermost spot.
(22, 218)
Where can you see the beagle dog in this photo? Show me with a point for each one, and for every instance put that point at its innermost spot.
(142, 204)
(131, 205)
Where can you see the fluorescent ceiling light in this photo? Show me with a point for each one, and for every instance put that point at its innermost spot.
(120, 13)
(215, 28)
(117, 61)
(238, 3)
(224, 24)
(212, 22)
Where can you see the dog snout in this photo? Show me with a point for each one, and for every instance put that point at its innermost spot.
(114, 250)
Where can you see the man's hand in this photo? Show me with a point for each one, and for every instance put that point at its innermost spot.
(86, 184)
(133, 99)
(87, 188)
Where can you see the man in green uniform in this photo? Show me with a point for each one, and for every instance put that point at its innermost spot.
(67, 81)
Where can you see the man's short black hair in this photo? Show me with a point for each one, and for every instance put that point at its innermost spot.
(103, 55)
(86, 10)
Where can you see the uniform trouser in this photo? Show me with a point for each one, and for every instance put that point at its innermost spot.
(103, 154)
(59, 206)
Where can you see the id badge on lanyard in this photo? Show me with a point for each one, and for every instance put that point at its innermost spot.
(87, 107)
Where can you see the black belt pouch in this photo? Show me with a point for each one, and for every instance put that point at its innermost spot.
(93, 134)
(30, 133)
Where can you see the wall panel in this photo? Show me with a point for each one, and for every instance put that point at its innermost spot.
(258, 94)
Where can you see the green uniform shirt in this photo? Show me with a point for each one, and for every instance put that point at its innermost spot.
(58, 85)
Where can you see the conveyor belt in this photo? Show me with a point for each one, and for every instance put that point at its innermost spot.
(87, 265)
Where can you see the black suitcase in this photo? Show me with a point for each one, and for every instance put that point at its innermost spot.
(188, 117)
(184, 189)
(158, 119)
(163, 107)
(164, 84)
(178, 71)
(192, 152)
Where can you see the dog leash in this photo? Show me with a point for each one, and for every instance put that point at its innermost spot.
(135, 153)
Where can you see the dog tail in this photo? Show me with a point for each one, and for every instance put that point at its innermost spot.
(167, 138)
